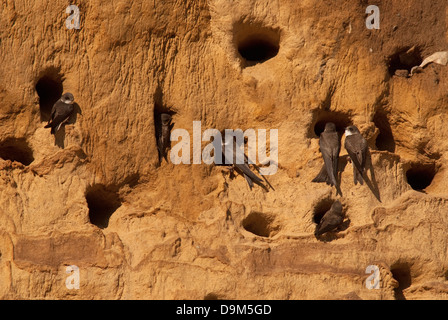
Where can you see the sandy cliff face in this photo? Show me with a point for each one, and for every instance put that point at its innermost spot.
(96, 197)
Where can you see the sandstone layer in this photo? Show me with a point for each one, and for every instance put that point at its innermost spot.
(95, 196)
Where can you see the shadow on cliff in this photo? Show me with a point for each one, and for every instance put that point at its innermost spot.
(370, 181)
(59, 137)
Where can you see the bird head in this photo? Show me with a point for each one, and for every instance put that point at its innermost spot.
(330, 127)
(351, 130)
(166, 118)
(68, 98)
(337, 207)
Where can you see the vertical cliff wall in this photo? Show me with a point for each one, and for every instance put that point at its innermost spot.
(95, 196)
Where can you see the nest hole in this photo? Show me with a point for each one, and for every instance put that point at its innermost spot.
(160, 108)
(420, 175)
(211, 296)
(102, 201)
(261, 224)
(401, 273)
(341, 120)
(49, 89)
(385, 140)
(16, 149)
(256, 43)
(404, 59)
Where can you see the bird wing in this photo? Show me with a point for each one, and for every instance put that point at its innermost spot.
(165, 137)
(356, 149)
(249, 181)
(244, 169)
(53, 110)
(163, 140)
(328, 222)
(330, 148)
(61, 112)
(322, 176)
(241, 168)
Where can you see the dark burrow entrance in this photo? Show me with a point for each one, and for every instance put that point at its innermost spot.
(404, 59)
(261, 224)
(341, 120)
(420, 175)
(102, 201)
(16, 149)
(257, 49)
(385, 139)
(49, 89)
(256, 43)
(402, 273)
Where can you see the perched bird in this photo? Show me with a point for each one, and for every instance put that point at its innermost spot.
(61, 112)
(241, 168)
(332, 219)
(356, 147)
(330, 147)
(163, 131)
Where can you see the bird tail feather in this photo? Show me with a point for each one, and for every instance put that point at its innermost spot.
(323, 176)
(249, 181)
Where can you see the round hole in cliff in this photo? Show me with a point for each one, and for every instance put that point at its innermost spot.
(49, 89)
(16, 149)
(404, 59)
(261, 224)
(385, 140)
(402, 273)
(257, 49)
(420, 175)
(321, 117)
(256, 43)
(102, 201)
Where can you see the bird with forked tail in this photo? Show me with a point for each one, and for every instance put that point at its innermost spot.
(330, 147)
(229, 152)
(356, 146)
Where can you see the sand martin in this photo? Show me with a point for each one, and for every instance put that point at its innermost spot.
(163, 132)
(356, 146)
(241, 168)
(332, 219)
(330, 147)
(61, 112)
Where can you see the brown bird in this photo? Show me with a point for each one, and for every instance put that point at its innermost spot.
(330, 147)
(61, 112)
(243, 167)
(163, 133)
(332, 219)
(356, 147)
